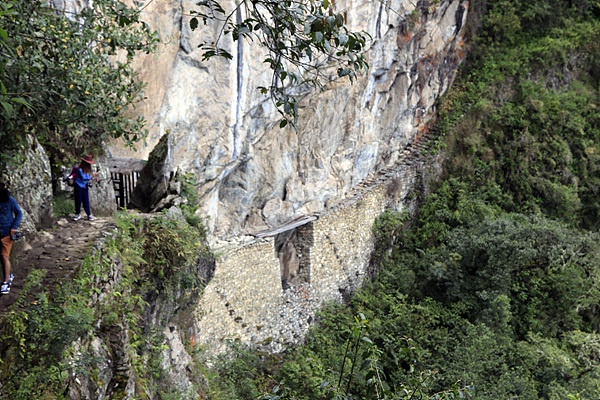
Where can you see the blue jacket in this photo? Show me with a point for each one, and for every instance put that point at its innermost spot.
(81, 178)
(10, 216)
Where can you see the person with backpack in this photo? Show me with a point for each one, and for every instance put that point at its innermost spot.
(10, 219)
(83, 176)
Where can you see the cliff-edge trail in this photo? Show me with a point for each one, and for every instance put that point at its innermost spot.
(59, 250)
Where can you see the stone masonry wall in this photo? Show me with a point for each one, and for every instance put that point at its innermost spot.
(240, 300)
(343, 244)
(246, 301)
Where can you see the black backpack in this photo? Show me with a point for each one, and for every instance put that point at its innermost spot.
(70, 179)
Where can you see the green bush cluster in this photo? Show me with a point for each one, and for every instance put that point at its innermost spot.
(62, 204)
(523, 117)
(480, 304)
(68, 79)
(34, 337)
(491, 292)
(47, 336)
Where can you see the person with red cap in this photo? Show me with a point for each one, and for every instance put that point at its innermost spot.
(83, 177)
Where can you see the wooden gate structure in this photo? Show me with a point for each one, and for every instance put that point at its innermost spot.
(124, 173)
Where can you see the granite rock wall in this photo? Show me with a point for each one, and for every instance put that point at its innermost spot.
(344, 164)
(29, 179)
(251, 174)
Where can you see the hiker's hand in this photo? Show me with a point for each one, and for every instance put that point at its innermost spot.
(12, 232)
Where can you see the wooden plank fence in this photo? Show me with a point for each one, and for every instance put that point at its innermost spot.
(124, 173)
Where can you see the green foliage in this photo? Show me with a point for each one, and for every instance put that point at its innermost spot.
(359, 364)
(34, 336)
(531, 18)
(496, 303)
(68, 78)
(302, 39)
(8, 101)
(62, 204)
(525, 121)
(342, 360)
(168, 245)
(47, 337)
(513, 256)
(389, 232)
(237, 374)
(494, 286)
(190, 192)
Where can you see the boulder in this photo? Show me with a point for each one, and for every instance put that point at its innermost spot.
(28, 177)
(156, 188)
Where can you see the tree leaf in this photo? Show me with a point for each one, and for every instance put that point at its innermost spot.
(343, 39)
(7, 107)
(21, 101)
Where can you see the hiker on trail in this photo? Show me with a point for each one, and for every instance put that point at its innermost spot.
(83, 177)
(10, 219)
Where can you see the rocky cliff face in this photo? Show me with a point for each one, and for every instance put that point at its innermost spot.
(253, 175)
(29, 180)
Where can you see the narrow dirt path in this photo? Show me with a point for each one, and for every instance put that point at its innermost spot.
(59, 250)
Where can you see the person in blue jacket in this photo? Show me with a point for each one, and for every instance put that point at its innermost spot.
(10, 219)
(83, 177)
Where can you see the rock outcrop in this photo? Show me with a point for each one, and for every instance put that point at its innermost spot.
(29, 180)
(251, 173)
(102, 193)
(253, 176)
(156, 186)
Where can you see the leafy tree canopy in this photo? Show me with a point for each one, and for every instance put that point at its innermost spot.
(68, 78)
(303, 39)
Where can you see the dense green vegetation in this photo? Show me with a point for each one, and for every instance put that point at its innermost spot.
(493, 290)
(68, 79)
(49, 339)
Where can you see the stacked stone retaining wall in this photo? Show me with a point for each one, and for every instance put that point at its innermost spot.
(251, 300)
